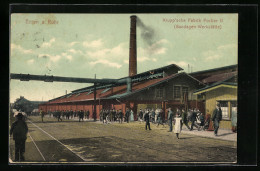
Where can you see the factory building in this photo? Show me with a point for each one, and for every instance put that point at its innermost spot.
(161, 88)
(221, 87)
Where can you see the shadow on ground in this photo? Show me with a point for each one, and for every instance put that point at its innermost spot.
(225, 134)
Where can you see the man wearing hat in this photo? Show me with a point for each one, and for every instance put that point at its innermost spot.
(216, 118)
(19, 130)
(147, 122)
(127, 114)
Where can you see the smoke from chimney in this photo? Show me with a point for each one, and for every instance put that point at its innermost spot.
(147, 33)
(149, 36)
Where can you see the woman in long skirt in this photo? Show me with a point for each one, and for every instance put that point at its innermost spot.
(177, 126)
(131, 116)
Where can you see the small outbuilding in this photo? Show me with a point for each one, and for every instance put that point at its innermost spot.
(224, 93)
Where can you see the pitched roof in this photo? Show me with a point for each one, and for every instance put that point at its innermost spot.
(152, 83)
(118, 91)
(137, 76)
(219, 77)
(215, 86)
(159, 69)
(214, 69)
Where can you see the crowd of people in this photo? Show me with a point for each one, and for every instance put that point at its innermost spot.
(113, 115)
(180, 117)
(66, 114)
(177, 117)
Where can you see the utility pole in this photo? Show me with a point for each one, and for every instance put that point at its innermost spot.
(95, 109)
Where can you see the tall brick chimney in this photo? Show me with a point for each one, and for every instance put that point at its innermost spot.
(132, 48)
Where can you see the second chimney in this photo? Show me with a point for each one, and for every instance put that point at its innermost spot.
(132, 48)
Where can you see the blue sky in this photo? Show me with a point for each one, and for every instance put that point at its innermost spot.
(82, 45)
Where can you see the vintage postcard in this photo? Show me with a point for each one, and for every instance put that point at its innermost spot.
(123, 88)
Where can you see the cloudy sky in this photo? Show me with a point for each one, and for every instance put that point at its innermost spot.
(82, 45)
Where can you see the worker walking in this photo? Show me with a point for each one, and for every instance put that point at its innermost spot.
(120, 116)
(193, 119)
(147, 122)
(59, 116)
(216, 118)
(19, 129)
(127, 113)
(88, 115)
(81, 115)
(184, 119)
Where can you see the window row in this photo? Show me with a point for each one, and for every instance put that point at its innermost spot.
(178, 92)
(228, 108)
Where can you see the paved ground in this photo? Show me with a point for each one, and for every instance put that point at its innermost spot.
(73, 141)
(222, 134)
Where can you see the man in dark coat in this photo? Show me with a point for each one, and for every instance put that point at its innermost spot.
(59, 115)
(170, 117)
(81, 115)
(114, 115)
(193, 119)
(216, 118)
(88, 114)
(19, 130)
(127, 113)
(147, 122)
(184, 119)
(71, 114)
(140, 115)
(120, 115)
(160, 118)
(74, 113)
(202, 121)
(68, 114)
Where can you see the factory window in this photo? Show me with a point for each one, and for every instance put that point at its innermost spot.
(177, 91)
(224, 108)
(159, 92)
